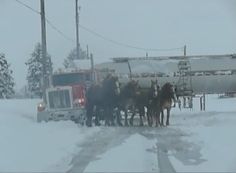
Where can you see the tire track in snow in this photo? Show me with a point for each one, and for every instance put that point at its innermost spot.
(168, 139)
(164, 163)
(170, 142)
(98, 144)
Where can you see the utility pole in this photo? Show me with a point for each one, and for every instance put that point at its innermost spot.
(87, 52)
(130, 71)
(77, 28)
(44, 49)
(185, 50)
(92, 68)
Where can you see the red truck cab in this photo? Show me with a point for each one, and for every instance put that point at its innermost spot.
(66, 98)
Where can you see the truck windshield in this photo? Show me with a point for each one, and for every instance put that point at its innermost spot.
(70, 79)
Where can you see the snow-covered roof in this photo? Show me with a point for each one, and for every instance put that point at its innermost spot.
(125, 59)
(82, 64)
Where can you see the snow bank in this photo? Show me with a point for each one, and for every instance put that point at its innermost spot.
(28, 146)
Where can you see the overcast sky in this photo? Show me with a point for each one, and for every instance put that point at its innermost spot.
(205, 26)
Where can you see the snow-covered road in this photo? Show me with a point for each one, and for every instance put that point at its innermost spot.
(122, 149)
(194, 142)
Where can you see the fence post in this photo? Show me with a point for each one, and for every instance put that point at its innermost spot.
(201, 103)
(204, 102)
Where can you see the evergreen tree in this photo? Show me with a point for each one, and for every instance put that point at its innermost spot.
(6, 79)
(69, 61)
(35, 70)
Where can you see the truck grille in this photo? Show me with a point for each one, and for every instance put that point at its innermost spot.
(59, 99)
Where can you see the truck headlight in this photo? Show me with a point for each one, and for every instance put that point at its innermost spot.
(79, 102)
(41, 107)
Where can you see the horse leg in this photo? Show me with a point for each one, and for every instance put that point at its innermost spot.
(106, 114)
(118, 117)
(89, 115)
(126, 117)
(132, 118)
(149, 117)
(97, 116)
(168, 115)
(111, 116)
(152, 117)
(141, 120)
(157, 118)
(162, 117)
(158, 121)
(141, 114)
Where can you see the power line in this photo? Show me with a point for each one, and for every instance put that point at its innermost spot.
(60, 32)
(48, 21)
(127, 45)
(96, 34)
(27, 6)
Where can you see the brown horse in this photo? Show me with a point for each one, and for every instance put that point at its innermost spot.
(167, 94)
(153, 107)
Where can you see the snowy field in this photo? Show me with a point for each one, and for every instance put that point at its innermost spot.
(28, 146)
(211, 135)
(194, 142)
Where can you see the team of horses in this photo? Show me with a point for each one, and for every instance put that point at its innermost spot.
(110, 101)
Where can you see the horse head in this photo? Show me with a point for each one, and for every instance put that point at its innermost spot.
(154, 88)
(116, 85)
(111, 85)
(131, 89)
(168, 90)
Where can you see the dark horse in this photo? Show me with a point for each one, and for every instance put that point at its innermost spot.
(127, 98)
(102, 96)
(167, 94)
(143, 100)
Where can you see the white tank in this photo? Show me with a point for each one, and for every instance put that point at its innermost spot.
(214, 74)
